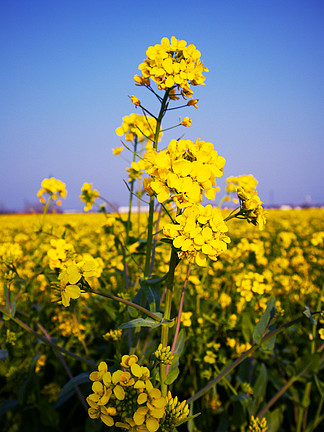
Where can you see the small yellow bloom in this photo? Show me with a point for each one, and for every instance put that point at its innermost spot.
(117, 150)
(185, 122)
(135, 100)
(193, 102)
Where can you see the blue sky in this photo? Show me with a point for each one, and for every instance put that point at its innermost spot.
(67, 69)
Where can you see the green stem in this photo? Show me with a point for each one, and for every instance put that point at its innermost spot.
(44, 339)
(149, 246)
(174, 260)
(126, 302)
(235, 363)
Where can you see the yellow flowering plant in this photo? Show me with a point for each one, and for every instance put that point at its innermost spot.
(175, 308)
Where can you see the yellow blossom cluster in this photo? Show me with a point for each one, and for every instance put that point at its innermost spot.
(88, 195)
(258, 425)
(127, 399)
(199, 232)
(172, 64)
(183, 172)
(251, 207)
(164, 355)
(138, 126)
(72, 275)
(247, 182)
(54, 188)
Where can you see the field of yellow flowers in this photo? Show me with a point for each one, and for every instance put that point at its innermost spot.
(42, 386)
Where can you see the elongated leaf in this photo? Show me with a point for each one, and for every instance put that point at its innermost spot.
(188, 419)
(141, 322)
(172, 376)
(7, 405)
(260, 386)
(307, 312)
(264, 321)
(308, 364)
(180, 342)
(152, 294)
(75, 381)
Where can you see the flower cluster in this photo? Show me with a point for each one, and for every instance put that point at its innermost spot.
(251, 207)
(138, 126)
(54, 188)
(172, 64)
(72, 275)
(127, 399)
(247, 182)
(164, 355)
(199, 232)
(88, 195)
(183, 172)
(257, 425)
(175, 412)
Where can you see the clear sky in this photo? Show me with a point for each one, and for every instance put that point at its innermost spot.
(67, 69)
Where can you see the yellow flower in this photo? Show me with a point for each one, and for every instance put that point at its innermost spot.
(193, 102)
(135, 100)
(172, 64)
(321, 333)
(54, 188)
(128, 360)
(117, 150)
(185, 122)
(184, 171)
(97, 375)
(199, 232)
(98, 411)
(186, 319)
(88, 195)
(141, 127)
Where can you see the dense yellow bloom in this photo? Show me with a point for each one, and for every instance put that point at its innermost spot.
(199, 232)
(127, 394)
(172, 64)
(247, 182)
(257, 425)
(117, 150)
(164, 354)
(251, 207)
(138, 126)
(183, 171)
(54, 188)
(88, 195)
(186, 122)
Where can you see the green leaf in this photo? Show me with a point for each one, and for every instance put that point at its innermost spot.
(75, 381)
(260, 386)
(307, 313)
(264, 321)
(189, 418)
(152, 293)
(180, 342)
(3, 354)
(172, 376)
(7, 405)
(141, 322)
(308, 364)
(247, 326)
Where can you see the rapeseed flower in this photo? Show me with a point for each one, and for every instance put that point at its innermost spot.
(88, 195)
(183, 172)
(53, 188)
(172, 64)
(138, 126)
(199, 232)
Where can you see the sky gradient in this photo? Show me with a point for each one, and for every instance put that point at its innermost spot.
(67, 69)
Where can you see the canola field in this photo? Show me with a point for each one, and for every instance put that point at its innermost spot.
(43, 387)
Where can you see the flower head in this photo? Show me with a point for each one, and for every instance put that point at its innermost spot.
(199, 232)
(172, 64)
(54, 188)
(88, 195)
